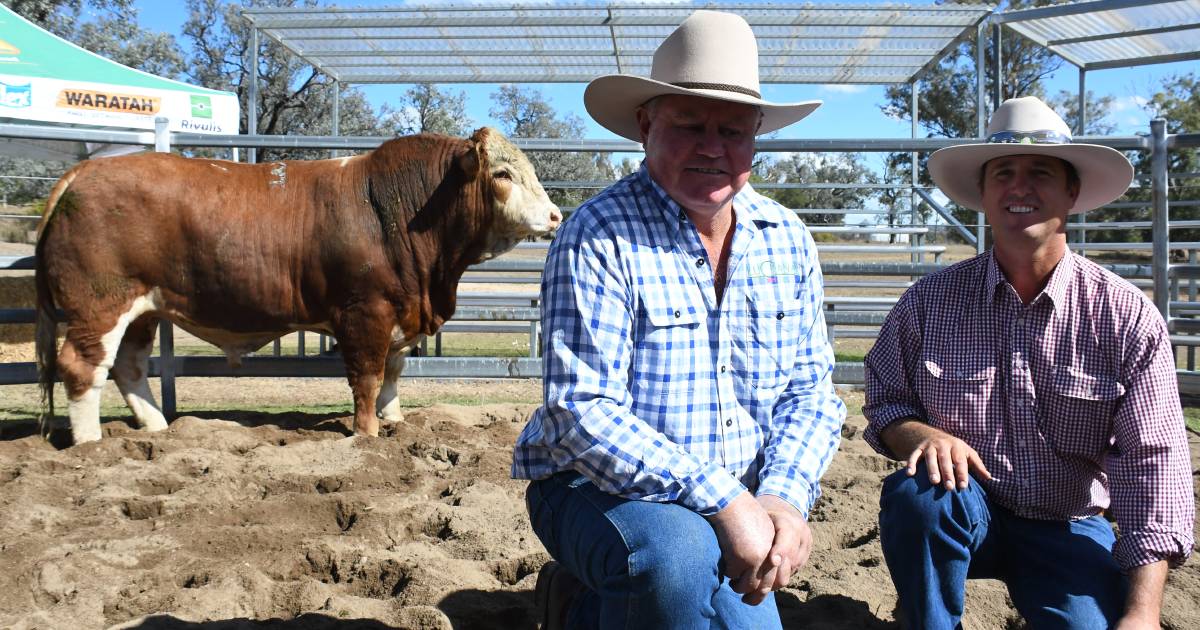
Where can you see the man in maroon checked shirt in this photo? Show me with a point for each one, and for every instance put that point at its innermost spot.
(1029, 390)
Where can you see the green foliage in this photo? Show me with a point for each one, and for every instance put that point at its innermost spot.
(813, 168)
(111, 31)
(428, 108)
(293, 97)
(944, 112)
(1178, 102)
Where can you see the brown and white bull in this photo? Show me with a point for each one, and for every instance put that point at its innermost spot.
(369, 249)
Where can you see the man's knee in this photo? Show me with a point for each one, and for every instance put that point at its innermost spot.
(914, 503)
(685, 555)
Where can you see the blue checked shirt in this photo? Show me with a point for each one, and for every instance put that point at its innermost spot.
(653, 390)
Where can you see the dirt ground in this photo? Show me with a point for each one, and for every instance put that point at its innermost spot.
(237, 519)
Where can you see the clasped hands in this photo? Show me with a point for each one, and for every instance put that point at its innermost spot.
(763, 540)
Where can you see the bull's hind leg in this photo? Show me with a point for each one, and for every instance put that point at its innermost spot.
(130, 371)
(88, 353)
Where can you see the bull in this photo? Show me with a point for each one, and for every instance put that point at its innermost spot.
(369, 249)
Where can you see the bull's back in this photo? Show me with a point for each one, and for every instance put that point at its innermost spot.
(218, 236)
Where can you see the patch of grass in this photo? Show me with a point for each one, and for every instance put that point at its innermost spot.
(1191, 418)
(851, 356)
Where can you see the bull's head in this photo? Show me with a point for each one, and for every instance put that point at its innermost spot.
(521, 207)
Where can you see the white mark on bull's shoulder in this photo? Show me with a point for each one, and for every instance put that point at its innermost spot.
(344, 161)
(220, 168)
(280, 173)
(400, 342)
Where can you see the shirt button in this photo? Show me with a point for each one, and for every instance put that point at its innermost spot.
(676, 314)
(699, 262)
(729, 422)
(778, 315)
(722, 369)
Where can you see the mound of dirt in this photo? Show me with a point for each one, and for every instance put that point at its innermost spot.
(252, 520)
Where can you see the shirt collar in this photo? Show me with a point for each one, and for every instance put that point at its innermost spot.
(1056, 287)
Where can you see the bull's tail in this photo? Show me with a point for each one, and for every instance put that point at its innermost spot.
(46, 325)
(46, 340)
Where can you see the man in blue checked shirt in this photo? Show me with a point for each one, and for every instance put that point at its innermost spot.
(689, 406)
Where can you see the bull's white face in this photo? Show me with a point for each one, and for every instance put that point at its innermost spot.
(522, 207)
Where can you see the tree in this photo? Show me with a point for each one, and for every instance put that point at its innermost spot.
(294, 98)
(1178, 102)
(808, 168)
(113, 32)
(523, 112)
(428, 108)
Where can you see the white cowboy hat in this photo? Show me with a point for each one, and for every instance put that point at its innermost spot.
(711, 54)
(1027, 126)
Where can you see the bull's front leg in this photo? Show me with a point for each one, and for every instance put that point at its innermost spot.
(387, 407)
(364, 343)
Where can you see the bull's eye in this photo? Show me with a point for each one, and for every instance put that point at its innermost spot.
(502, 174)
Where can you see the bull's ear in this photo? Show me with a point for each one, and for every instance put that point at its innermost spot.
(470, 159)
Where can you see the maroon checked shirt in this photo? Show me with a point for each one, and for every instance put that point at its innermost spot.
(1071, 401)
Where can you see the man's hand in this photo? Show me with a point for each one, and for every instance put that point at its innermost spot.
(744, 532)
(789, 550)
(948, 460)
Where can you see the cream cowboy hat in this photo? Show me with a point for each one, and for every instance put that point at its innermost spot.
(712, 54)
(1027, 126)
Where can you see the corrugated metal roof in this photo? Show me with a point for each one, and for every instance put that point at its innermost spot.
(494, 43)
(1113, 33)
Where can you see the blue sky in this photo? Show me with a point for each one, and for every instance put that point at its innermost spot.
(850, 111)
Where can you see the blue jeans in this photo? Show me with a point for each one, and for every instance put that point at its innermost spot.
(644, 564)
(1060, 574)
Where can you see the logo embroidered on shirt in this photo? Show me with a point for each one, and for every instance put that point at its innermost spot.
(772, 269)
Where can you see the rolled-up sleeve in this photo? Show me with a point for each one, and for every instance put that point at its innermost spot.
(889, 370)
(1149, 470)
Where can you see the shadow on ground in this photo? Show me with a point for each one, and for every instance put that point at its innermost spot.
(59, 435)
(307, 621)
(473, 609)
(828, 612)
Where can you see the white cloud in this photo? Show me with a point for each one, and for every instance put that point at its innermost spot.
(1129, 103)
(842, 88)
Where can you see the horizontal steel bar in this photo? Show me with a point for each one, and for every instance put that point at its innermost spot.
(1183, 140)
(46, 132)
(328, 366)
(11, 263)
(1140, 32)
(1140, 61)
(1026, 15)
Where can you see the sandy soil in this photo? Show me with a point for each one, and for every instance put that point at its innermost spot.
(242, 519)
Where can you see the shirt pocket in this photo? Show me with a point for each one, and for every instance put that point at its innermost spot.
(665, 360)
(773, 328)
(1077, 419)
(957, 392)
